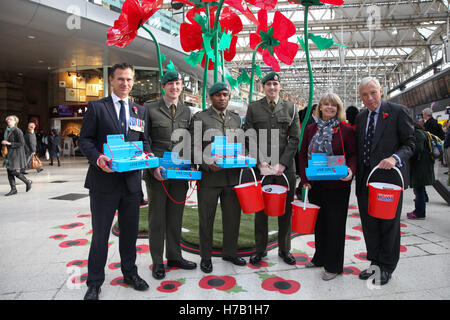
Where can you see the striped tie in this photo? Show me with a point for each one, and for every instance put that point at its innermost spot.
(368, 140)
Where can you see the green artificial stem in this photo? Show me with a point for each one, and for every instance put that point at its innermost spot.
(216, 40)
(205, 70)
(158, 52)
(311, 80)
(250, 94)
(223, 66)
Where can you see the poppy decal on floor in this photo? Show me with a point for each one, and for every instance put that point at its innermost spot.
(73, 243)
(361, 256)
(71, 225)
(312, 244)
(118, 282)
(351, 270)
(403, 248)
(301, 258)
(80, 279)
(87, 215)
(77, 263)
(354, 215)
(58, 236)
(225, 283)
(272, 282)
(171, 285)
(358, 228)
(114, 265)
(259, 265)
(166, 267)
(142, 248)
(352, 206)
(355, 238)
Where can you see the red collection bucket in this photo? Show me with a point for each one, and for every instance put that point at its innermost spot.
(383, 197)
(274, 196)
(250, 195)
(304, 216)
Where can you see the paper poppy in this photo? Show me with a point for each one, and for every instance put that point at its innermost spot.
(351, 270)
(73, 243)
(242, 7)
(170, 286)
(281, 285)
(274, 40)
(194, 36)
(135, 110)
(133, 15)
(77, 263)
(220, 283)
(385, 115)
(72, 225)
(58, 236)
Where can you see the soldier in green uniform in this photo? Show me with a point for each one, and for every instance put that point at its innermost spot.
(274, 158)
(216, 181)
(165, 216)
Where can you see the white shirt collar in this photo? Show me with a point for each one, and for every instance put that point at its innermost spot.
(116, 99)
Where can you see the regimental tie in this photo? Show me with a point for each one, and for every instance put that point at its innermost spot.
(272, 105)
(172, 110)
(122, 118)
(368, 139)
(222, 116)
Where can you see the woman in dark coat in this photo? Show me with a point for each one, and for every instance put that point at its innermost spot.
(15, 160)
(331, 136)
(30, 145)
(54, 141)
(421, 173)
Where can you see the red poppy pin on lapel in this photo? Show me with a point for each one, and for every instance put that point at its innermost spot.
(385, 115)
(135, 109)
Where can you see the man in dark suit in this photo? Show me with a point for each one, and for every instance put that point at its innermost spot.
(165, 216)
(385, 137)
(108, 190)
(279, 119)
(431, 125)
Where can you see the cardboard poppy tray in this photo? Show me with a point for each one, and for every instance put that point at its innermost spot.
(229, 155)
(127, 155)
(177, 168)
(322, 167)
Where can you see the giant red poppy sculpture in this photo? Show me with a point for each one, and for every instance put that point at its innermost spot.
(272, 42)
(133, 16)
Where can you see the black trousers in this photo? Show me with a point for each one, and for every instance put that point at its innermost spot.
(382, 236)
(329, 232)
(103, 208)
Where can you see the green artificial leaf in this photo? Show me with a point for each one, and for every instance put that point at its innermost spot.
(163, 57)
(202, 22)
(170, 66)
(264, 276)
(237, 289)
(225, 41)
(320, 42)
(194, 58)
(243, 78)
(258, 70)
(207, 45)
(232, 81)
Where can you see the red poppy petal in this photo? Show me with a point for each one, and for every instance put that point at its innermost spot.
(268, 283)
(283, 28)
(286, 51)
(230, 282)
(271, 61)
(150, 7)
(255, 39)
(241, 6)
(133, 13)
(262, 18)
(335, 2)
(210, 63)
(120, 34)
(190, 15)
(203, 283)
(230, 21)
(263, 4)
(229, 54)
(189, 3)
(191, 36)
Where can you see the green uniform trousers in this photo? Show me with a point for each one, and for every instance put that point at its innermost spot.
(231, 218)
(165, 217)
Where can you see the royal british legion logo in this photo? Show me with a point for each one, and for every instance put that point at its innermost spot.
(385, 197)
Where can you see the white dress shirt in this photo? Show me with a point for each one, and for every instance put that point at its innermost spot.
(117, 107)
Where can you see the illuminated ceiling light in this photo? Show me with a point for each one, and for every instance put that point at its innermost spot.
(30, 36)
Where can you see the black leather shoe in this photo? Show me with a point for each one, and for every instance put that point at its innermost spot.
(257, 257)
(235, 260)
(28, 185)
(366, 274)
(206, 265)
(182, 263)
(92, 293)
(383, 279)
(158, 271)
(137, 282)
(287, 257)
(10, 193)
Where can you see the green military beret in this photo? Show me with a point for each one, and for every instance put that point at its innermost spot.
(218, 86)
(271, 76)
(171, 76)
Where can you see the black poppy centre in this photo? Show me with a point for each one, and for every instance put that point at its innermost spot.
(282, 285)
(216, 282)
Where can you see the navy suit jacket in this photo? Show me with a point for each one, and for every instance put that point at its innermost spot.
(394, 134)
(101, 120)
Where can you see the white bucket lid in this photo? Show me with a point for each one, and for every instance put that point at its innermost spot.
(244, 185)
(274, 188)
(300, 204)
(385, 186)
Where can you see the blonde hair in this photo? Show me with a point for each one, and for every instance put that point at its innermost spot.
(14, 117)
(334, 99)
